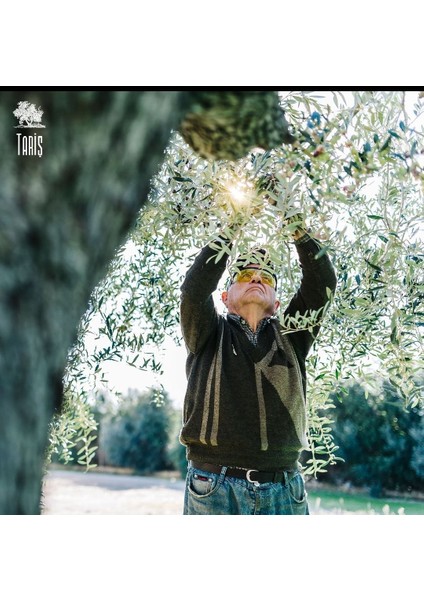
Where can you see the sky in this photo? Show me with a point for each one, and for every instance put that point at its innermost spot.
(123, 377)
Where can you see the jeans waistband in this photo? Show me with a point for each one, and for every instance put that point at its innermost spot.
(251, 475)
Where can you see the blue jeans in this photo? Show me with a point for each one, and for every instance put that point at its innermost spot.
(215, 494)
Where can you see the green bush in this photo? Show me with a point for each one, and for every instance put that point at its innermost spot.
(177, 452)
(379, 441)
(137, 432)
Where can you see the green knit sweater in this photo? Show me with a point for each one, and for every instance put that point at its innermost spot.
(245, 401)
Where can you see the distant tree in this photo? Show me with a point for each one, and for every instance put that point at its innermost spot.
(136, 432)
(379, 441)
(176, 451)
(417, 459)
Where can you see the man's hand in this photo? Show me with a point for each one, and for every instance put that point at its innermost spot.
(296, 225)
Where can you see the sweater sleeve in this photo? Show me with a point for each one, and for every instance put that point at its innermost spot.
(199, 317)
(317, 275)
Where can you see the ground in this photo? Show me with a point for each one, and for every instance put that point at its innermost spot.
(75, 492)
(110, 491)
(99, 493)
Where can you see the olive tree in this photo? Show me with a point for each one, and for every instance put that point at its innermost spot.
(354, 171)
(62, 218)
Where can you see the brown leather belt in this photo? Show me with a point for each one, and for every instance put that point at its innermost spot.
(251, 475)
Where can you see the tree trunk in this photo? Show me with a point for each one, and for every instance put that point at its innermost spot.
(62, 217)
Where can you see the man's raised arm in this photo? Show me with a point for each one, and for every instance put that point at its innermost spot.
(318, 279)
(199, 317)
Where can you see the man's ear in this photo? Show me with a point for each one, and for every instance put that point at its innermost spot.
(276, 305)
(224, 297)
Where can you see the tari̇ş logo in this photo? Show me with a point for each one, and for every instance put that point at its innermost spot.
(29, 117)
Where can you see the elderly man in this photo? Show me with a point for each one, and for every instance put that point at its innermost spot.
(244, 417)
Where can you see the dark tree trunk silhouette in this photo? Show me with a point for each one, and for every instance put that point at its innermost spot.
(62, 217)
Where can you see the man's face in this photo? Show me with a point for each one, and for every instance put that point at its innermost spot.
(253, 292)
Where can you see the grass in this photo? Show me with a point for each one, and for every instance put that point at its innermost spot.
(340, 502)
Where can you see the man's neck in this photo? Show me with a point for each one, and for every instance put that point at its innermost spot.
(253, 317)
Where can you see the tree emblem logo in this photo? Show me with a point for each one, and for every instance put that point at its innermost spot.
(28, 115)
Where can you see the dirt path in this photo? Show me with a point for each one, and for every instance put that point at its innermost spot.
(80, 493)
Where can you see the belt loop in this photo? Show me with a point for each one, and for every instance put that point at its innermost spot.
(222, 474)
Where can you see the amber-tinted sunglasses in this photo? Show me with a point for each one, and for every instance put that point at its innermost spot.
(245, 275)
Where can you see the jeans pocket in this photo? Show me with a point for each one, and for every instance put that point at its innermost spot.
(201, 483)
(297, 489)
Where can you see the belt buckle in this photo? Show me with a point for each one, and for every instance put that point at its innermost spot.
(254, 481)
